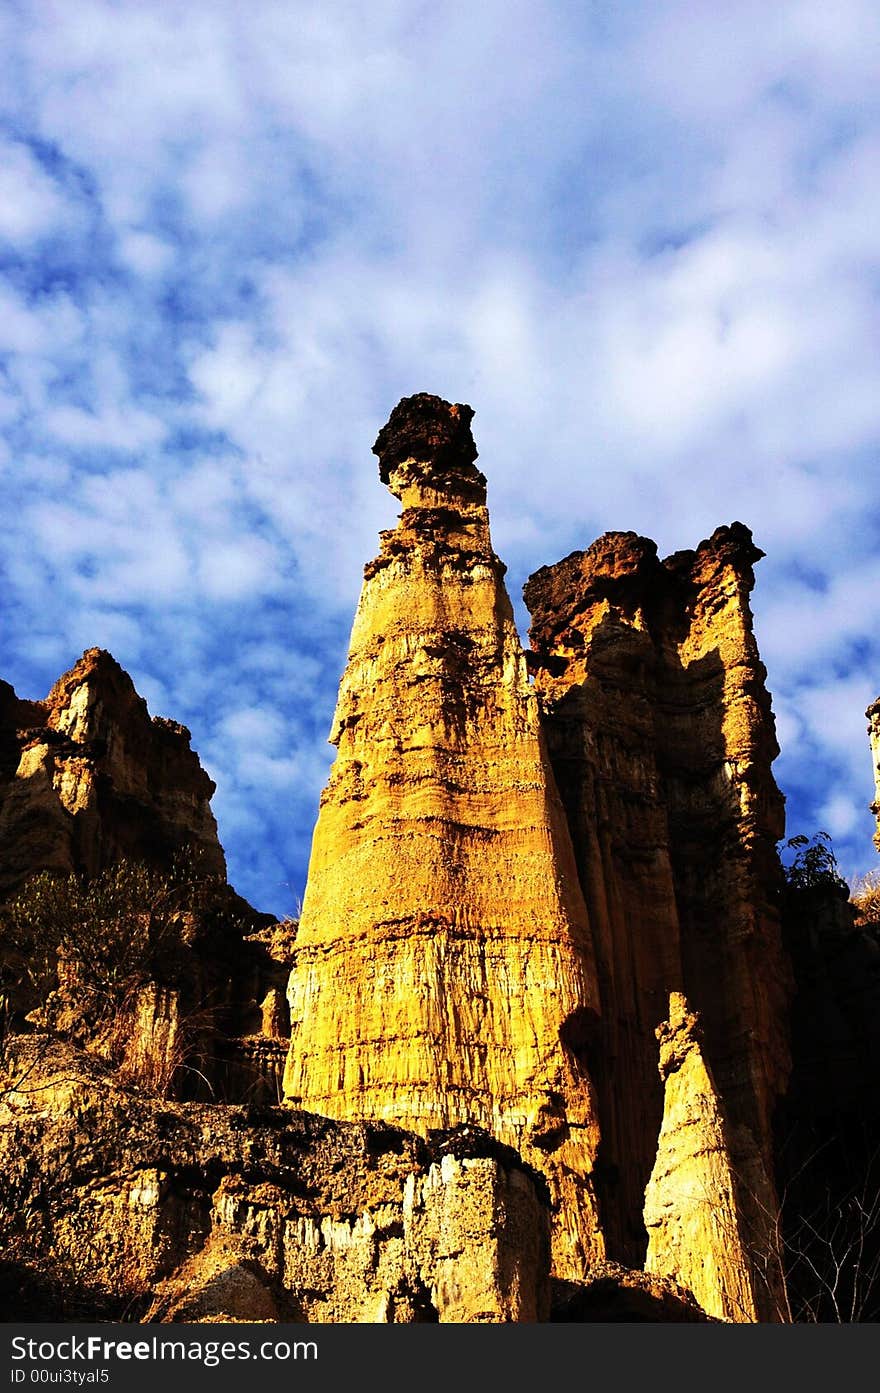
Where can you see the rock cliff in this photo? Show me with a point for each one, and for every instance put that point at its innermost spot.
(116, 806)
(125, 1206)
(443, 968)
(661, 737)
(87, 777)
(699, 1230)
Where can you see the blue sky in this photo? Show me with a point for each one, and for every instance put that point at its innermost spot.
(640, 240)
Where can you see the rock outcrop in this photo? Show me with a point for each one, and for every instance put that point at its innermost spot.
(115, 1203)
(661, 737)
(613, 1294)
(528, 870)
(443, 967)
(699, 1228)
(91, 785)
(87, 777)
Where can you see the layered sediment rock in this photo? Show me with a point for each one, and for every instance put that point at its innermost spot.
(443, 967)
(661, 736)
(88, 780)
(220, 1213)
(698, 1225)
(514, 892)
(87, 777)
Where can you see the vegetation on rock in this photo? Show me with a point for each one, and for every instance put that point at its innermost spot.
(109, 935)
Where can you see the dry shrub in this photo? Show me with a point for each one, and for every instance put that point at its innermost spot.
(866, 898)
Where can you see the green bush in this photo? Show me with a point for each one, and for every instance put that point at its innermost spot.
(814, 866)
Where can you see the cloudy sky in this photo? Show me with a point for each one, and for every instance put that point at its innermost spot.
(639, 239)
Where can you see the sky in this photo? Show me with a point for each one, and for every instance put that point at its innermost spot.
(639, 239)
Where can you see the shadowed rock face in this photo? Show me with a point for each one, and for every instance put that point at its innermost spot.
(424, 429)
(613, 1294)
(828, 1126)
(443, 966)
(87, 777)
(661, 737)
(700, 1231)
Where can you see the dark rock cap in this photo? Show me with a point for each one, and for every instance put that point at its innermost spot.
(426, 428)
(733, 544)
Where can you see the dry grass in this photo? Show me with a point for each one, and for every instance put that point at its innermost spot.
(866, 897)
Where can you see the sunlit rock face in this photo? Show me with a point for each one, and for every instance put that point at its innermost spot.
(661, 736)
(88, 780)
(700, 1233)
(87, 777)
(141, 1208)
(443, 967)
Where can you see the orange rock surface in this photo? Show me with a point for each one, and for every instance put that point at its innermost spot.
(661, 736)
(700, 1233)
(87, 777)
(443, 967)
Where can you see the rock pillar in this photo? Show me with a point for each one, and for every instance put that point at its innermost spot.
(443, 967)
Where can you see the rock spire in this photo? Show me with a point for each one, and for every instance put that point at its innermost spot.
(87, 777)
(661, 735)
(443, 967)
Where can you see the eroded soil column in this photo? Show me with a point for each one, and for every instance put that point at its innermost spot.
(443, 969)
(662, 737)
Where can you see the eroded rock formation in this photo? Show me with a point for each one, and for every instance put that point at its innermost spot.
(87, 777)
(443, 966)
(89, 782)
(700, 1231)
(515, 892)
(661, 737)
(115, 1203)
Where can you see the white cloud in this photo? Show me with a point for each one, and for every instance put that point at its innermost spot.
(230, 569)
(145, 253)
(21, 330)
(803, 628)
(840, 815)
(640, 240)
(30, 204)
(111, 428)
(834, 713)
(215, 183)
(230, 374)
